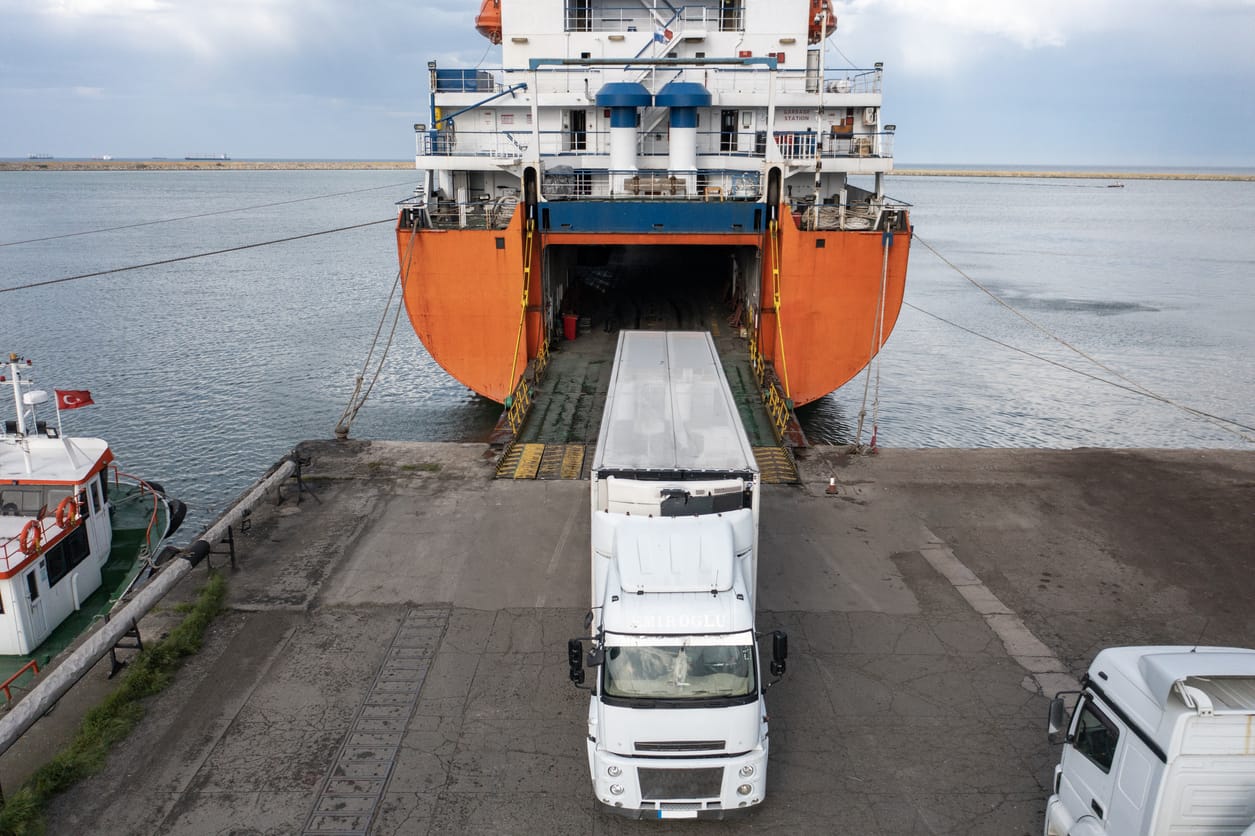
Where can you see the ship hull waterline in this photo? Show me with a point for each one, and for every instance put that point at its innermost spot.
(463, 291)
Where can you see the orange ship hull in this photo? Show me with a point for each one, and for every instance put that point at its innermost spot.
(464, 293)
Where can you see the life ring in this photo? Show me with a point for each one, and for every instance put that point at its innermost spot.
(28, 540)
(67, 512)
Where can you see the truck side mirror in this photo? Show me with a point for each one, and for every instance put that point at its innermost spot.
(575, 658)
(1057, 723)
(779, 652)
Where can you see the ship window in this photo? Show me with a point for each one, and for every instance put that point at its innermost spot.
(98, 499)
(579, 16)
(731, 16)
(32, 585)
(1, 605)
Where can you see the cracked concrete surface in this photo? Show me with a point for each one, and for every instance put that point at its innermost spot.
(918, 616)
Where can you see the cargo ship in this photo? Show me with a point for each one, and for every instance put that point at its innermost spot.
(627, 159)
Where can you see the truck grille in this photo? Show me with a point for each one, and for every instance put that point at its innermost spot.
(659, 784)
(681, 745)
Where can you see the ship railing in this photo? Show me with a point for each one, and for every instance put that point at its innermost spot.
(582, 17)
(801, 145)
(656, 184)
(858, 215)
(484, 212)
(561, 79)
(511, 144)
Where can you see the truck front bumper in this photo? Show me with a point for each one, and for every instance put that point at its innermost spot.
(680, 788)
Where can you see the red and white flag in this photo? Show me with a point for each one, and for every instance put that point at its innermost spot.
(73, 398)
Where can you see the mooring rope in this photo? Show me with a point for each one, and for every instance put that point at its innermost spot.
(878, 343)
(1129, 385)
(200, 215)
(356, 403)
(177, 259)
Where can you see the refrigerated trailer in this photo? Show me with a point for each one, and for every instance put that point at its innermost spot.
(677, 719)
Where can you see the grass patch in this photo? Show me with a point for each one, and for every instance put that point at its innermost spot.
(425, 467)
(111, 721)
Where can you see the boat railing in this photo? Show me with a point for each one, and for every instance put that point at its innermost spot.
(661, 185)
(561, 80)
(45, 532)
(861, 212)
(681, 20)
(145, 492)
(794, 145)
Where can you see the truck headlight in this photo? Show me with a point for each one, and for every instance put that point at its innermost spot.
(617, 789)
(747, 771)
(613, 771)
(744, 789)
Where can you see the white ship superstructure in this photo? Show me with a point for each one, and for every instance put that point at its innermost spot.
(705, 101)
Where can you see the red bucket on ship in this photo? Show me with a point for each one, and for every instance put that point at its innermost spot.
(569, 322)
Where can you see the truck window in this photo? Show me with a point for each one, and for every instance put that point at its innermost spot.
(1096, 736)
(679, 672)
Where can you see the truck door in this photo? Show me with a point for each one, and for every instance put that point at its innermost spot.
(1088, 759)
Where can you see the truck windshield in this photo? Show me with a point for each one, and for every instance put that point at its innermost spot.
(680, 672)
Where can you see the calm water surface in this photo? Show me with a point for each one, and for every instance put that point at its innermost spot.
(208, 370)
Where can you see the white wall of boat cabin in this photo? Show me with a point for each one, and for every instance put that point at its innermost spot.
(19, 633)
(536, 29)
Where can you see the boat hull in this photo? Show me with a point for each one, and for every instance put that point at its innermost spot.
(464, 294)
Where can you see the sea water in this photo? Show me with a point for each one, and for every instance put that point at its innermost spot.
(207, 370)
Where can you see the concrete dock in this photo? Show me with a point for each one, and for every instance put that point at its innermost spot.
(394, 660)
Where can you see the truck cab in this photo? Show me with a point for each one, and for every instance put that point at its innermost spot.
(1161, 740)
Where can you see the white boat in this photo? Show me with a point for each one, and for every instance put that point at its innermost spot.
(65, 508)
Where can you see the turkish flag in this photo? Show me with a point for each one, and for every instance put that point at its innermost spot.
(73, 398)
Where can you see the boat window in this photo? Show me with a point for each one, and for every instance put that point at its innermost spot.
(1, 604)
(54, 496)
(98, 502)
(68, 553)
(27, 500)
(21, 500)
(32, 585)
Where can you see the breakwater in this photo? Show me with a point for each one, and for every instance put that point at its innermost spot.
(406, 165)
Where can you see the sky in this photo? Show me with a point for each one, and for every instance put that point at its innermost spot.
(1115, 83)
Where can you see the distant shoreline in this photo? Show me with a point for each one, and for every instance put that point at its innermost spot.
(203, 165)
(401, 165)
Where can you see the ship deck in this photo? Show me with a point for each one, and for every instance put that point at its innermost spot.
(395, 651)
(560, 431)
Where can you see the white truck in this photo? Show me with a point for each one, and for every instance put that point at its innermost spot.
(677, 722)
(1161, 741)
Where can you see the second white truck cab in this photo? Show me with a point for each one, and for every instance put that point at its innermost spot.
(1161, 741)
